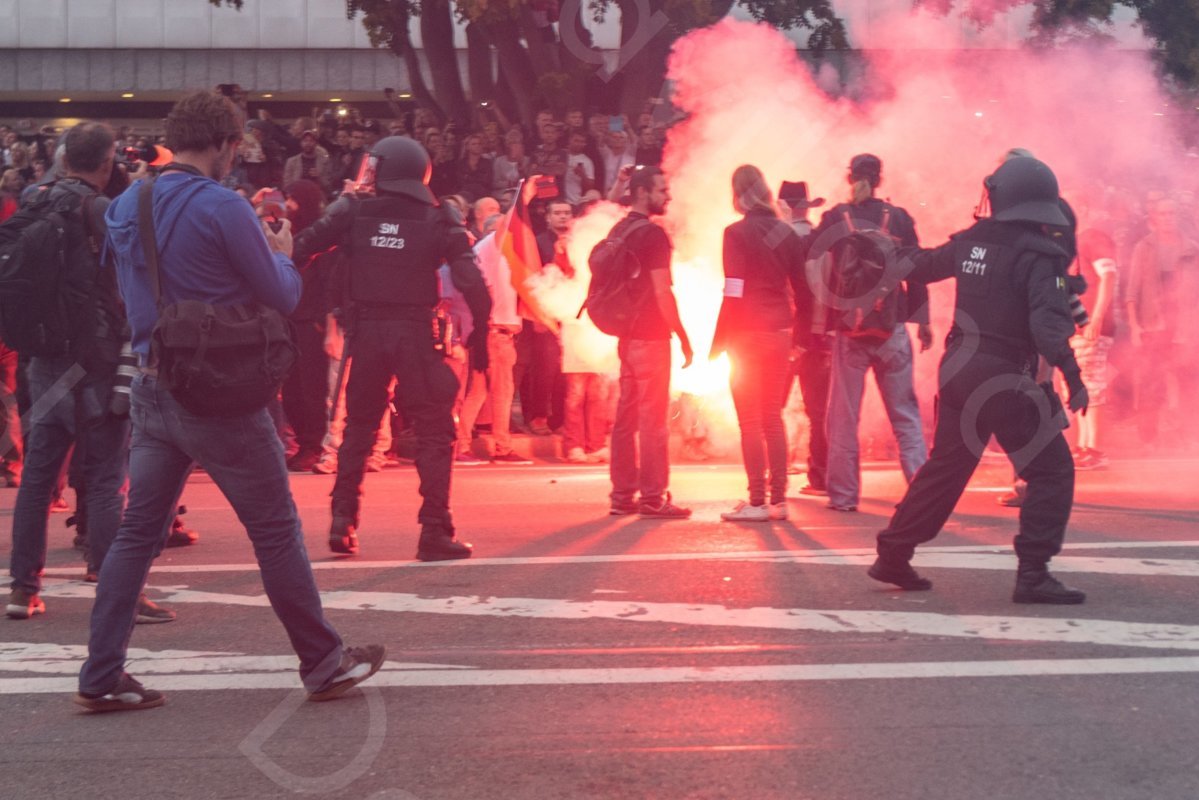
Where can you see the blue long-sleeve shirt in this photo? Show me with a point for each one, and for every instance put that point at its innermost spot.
(211, 248)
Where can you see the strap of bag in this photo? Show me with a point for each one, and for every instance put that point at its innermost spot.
(145, 224)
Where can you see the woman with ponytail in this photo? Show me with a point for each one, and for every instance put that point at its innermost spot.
(763, 284)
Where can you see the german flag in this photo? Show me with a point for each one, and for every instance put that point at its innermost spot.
(519, 246)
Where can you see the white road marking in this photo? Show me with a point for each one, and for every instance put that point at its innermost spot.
(66, 659)
(442, 677)
(925, 556)
(1114, 633)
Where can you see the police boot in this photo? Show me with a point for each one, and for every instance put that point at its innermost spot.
(899, 573)
(342, 538)
(437, 543)
(1034, 584)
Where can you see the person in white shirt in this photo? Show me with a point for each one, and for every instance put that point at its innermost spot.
(496, 384)
(617, 155)
(580, 170)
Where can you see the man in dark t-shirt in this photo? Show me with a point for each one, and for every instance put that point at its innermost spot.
(645, 361)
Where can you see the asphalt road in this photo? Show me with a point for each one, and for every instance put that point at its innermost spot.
(585, 656)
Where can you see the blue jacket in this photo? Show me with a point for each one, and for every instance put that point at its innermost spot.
(211, 248)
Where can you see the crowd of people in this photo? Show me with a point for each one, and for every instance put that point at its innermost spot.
(397, 228)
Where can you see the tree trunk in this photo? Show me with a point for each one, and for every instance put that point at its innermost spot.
(478, 61)
(437, 38)
(643, 69)
(401, 45)
(515, 66)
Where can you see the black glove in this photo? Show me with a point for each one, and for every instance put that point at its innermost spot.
(476, 345)
(1079, 399)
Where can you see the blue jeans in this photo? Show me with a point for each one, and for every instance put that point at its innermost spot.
(892, 364)
(244, 457)
(642, 412)
(78, 417)
(760, 371)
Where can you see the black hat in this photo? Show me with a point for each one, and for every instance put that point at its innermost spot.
(795, 195)
(865, 166)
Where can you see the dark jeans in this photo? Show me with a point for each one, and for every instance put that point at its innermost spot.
(641, 415)
(539, 364)
(815, 375)
(425, 392)
(307, 387)
(989, 396)
(52, 429)
(244, 457)
(760, 371)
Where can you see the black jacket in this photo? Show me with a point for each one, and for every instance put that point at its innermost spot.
(765, 286)
(1012, 298)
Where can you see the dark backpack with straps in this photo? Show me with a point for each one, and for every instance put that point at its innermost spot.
(611, 302)
(216, 361)
(865, 285)
(49, 262)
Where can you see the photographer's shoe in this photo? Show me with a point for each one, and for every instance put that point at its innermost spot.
(357, 664)
(1041, 587)
(899, 573)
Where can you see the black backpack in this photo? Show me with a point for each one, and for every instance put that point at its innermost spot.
(866, 289)
(611, 303)
(49, 262)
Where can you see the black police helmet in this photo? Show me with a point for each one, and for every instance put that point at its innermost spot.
(1025, 190)
(402, 167)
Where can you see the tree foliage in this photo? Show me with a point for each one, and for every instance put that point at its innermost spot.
(538, 69)
(1172, 25)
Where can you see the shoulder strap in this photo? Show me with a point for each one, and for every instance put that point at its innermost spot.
(145, 224)
(885, 225)
(89, 228)
(635, 225)
(849, 220)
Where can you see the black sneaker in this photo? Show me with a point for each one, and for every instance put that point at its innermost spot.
(357, 664)
(439, 544)
(23, 604)
(127, 695)
(664, 510)
(150, 613)
(343, 539)
(900, 574)
(1044, 588)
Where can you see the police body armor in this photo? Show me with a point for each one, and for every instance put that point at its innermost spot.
(395, 255)
(991, 312)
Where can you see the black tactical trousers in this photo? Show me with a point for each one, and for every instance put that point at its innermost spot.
(989, 396)
(425, 392)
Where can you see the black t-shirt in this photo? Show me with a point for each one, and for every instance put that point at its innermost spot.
(652, 246)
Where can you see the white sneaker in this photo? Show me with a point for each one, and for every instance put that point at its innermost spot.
(744, 512)
(576, 456)
(778, 510)
(600, 456)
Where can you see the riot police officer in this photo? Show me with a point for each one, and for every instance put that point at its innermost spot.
(397, 237)
(1012, 304)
